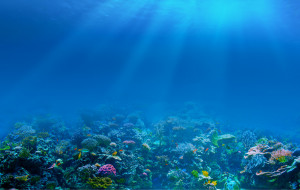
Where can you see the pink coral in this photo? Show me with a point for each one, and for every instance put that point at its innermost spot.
(276, 173)
(259, 149)
(129, 142)
(281, 155)
(107, 169)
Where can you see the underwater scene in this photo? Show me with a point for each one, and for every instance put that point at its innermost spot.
(149, 94)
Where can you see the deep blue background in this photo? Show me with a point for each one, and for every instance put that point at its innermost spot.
(241, 60)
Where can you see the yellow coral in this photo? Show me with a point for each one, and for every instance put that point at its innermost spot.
(22, 178)
(205, 173)
(146, 146)
(99, 182)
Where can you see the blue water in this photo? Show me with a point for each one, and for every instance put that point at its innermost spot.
(238, 60)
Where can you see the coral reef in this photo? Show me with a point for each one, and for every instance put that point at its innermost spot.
(122, 150)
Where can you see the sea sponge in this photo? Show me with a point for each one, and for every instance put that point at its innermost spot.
(89, 143)
(99, 182)
(102, 140)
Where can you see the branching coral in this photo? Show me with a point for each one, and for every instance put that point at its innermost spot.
(281, 155)
(87, 171)
(248, 138)
(259, 149)
(276, 173)
(24, 130)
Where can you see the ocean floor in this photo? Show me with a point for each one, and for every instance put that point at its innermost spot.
(120, 149)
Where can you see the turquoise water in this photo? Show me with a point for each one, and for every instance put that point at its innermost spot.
(235, 62)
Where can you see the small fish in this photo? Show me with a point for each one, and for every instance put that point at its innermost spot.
(51, 167)
(79, 150)
(205, 173)
(214, 183)
(58, 164)
(167, 164)
(181, 157)
(79, 155)
(121, 150)
(84, 150)
(88, 135)
(206, 150)
(195, 151)
(223, 144)
(115, 153)
(56, 140)
(75, 148)
(272, 180)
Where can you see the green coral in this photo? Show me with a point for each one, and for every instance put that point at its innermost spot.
(5, 148)
(24, 153)
(51, 185)
(195, 173)
(215, 138)
(35, 179)
(43, 135)
(30, 141)
(99, 182)
(262, 141)
(121, 181)
(282, 159)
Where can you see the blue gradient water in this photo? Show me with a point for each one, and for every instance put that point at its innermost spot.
(240, 60)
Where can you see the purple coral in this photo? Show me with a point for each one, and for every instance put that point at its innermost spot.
(128, 125)
(129, 142)
(248, 138)
(25, 131)
(107, 169)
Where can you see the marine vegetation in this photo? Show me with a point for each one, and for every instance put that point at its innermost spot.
(120, 149)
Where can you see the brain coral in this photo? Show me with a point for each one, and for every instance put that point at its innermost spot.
(102, 140)
(89, 143)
